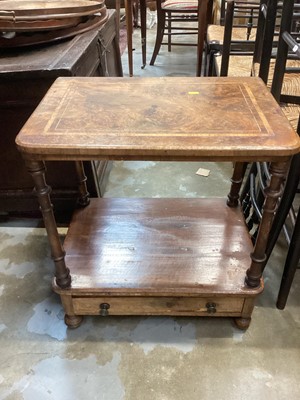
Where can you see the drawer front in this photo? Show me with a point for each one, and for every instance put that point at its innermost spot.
(200, 306)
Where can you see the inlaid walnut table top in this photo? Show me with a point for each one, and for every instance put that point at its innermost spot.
(158, 118)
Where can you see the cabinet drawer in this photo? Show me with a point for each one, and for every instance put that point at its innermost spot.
(217, 306)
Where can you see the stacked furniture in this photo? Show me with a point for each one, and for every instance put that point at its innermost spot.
(25, 22)
(284, 77)
(26, 74)
(236, 57)
(233, 38)
(182, 17)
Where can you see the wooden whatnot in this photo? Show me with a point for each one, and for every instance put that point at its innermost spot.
(158, 256)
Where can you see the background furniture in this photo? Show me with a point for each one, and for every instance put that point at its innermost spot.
(132, 8)
(234, 37)
(286, 90)
(25, 76)
(158, 256)
(129, 5)
(25, 22)
(253, 60)
(169, 13)
(182, 18)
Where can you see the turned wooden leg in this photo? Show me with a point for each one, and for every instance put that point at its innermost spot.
(244, 320)
(84, 196)
(236, 182)
(73, 321)
(242, 323)
(62, 273)
(272, 193)
(143, 31)
(129, 22)
(160, 29)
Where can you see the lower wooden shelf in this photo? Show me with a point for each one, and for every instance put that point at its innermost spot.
(158, 257)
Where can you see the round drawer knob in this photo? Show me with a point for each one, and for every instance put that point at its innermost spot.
(211, 308)
(104, 309)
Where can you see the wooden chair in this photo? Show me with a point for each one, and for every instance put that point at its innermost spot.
(234, 36)
(252, 197)
(286, 220)
(130, 18)
(285, 72)
(269, 53)
(257, 62)
(285, 88)
(266, 38)
(285, 210)
(182, 17)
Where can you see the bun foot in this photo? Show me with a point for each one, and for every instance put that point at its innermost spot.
(242, 323)
(73, 321)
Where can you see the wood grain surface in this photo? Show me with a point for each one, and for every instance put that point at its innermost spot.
(159, 118)
(40, 8)
(156, 247)
(158, 305)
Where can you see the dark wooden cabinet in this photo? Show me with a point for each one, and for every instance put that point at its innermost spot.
(25, 76)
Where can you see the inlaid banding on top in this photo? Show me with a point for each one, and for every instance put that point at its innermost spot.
(183, 112)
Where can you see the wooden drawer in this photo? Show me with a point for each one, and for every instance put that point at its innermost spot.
(200, 306)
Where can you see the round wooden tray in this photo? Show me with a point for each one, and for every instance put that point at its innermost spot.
(39, 25)
(24, 10)
(30, 39)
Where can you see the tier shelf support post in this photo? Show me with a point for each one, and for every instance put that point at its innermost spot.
(236, 183)
(84, 196)
(37, 170)
(272, 193)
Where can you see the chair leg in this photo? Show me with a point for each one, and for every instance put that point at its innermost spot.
(293, 254)
(210, 62)
(143, 31)
(246, 188)
(284, 206)
(169, 30)
(161, 18)
(204, 16)
(129, 27)
(135, 13)
(118, 16)
(290, 267)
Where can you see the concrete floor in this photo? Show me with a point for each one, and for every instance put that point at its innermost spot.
(135, 358)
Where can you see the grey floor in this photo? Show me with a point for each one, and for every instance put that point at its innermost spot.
(135, 358)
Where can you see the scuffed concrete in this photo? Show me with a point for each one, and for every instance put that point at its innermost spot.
(164, 332)
(61, 379)
(2, 327)
(48, 319)
(18, 253)
(180, 179)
